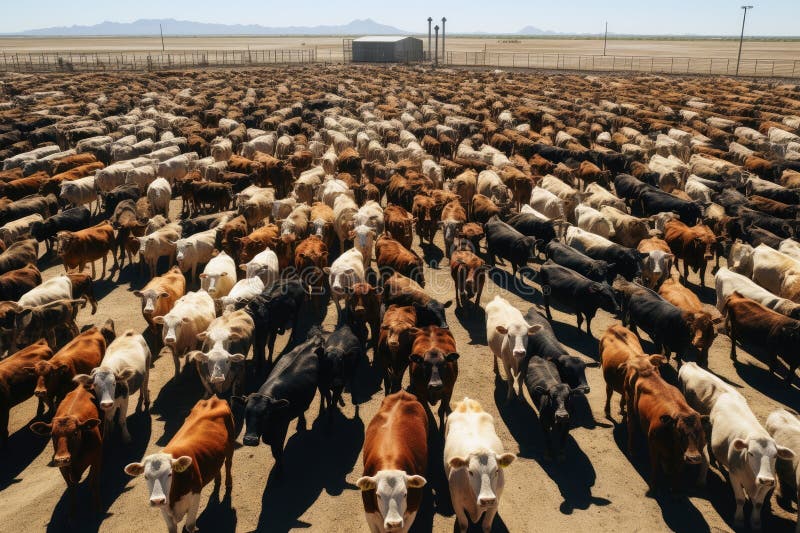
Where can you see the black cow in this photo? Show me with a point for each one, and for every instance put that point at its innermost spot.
(662, 321)
(274, 311)
(553, 399)
(119, 194)
(74, 219)
(30, 205)
(629, 187)
(204, 222)
(575, 291)
(532, 226)
(655, 201)
(284, 396)
(779, 194)
(18, 255)
(750, 217)
(729, 198)
(507, 243)
(567, 256)
(739, 229)
(337, 367)
(544, 343)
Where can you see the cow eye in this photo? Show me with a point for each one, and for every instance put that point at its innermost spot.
(471, 473)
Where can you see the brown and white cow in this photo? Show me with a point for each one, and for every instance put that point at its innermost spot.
(160, 294)
(469, 275)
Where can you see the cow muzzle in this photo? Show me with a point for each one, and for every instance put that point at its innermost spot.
(765, 481)
(62, 460)
(159, 501)
(487, 501)
(693, 458)
(250, 440)
(106, 405)
(217, 379)
(40, 393)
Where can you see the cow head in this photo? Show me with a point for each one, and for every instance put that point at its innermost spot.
(158, 469)
(485, 475)
(209, 281)
(740, 258)
(604, 295)
(363, 238)
(701, 326)
(171, 327)
(106, 384)
(259, 408)
(656, 266)
(67, 433)
(182, 247)
(450, 229)
(216, 365)
(433, 313)
(49, 376)
(433, 371)
(391, 494)
(573, 371)
(688, 434)
(517, 337)
(363, 298)
(396, 333)
(760, 454)
(149, 299)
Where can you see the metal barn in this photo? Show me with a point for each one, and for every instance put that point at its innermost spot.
(387, 49)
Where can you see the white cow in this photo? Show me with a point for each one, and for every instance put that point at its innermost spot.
(346, 271)
(547, 203)
(58, 288)
(777, 272)
(697, 190)
(125, 369)
(159, 243)
(225, 345)
(79, 192)
(344, 211)
(727, 282)
(592, 220)
(142, 176)
(159, 193)
(785, 429)
(331, 189)
(16, 230)
(177, 167)
(221, 149)
(508, 333)
(598, 196)
(363, 238)
(747, 451)
(740, 258)
(190, 315)
(474, 461)
(791, 248)
(241, 293)
(195, 250)
(370, 214)
(264, 266)
(106, 179)
(219, 275)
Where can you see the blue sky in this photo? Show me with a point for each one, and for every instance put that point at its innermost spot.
(775, 17)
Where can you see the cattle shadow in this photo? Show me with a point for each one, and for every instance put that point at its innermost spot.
(367, 381)
(473, 319)
(576, 476)
(770, 384)
(498, 525)
(113, 480)
(24, 447)
(285, 499)
(175, 401)
(432, 255)
(577, 338)
(103, 287)
(219, 513)
(526, 291)
(677, 511)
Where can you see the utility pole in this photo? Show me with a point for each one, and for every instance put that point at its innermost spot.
(436, 50)
(605, 39)
(741, 38)
(430, 19)
(162, 36)
(444, 57)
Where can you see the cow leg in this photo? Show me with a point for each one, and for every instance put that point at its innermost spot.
(609, 393)
(94, 483)
(172, 525)
(191, 515)
(510, 392)
(685, 272)
(738, 494)
(481, 280)
(546, 297)
(228, 466)
(461, 519)
(488, 519)
(94, 272)
(579, 318)
(271, 344)
(589, 325)
(655, 466)
(122, 415)
(703, 474)
(302, 425)
(732, 336)
(702, 274)
(177, 361)
(631, 424)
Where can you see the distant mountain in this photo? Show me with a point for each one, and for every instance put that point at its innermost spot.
(533, 30)
(185, 27)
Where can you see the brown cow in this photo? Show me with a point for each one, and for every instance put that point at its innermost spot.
(469, 275)
(395, 459)
(433, 367)
(256, 242)
(310, 258)
(275, 172)
(16, 384)
(322, 221)
(18, 255)
(71, 161)
(675, 432)
(79, 356)
(46, 320)
(87, 245)
(233, 229)
(364, 301)
(284, 249)
(190, 461)
(453, 219)
(589, 172)
(779, 335)
(473, 233)
(773, 207)
(620, 352)
(400, 223)
(392, 256)
(483, 208)
(17, 282)
(77, 442)
(424, 213)
(394, 345)
(159, 296)
(695, 245)
(80, 171)
(701, 319)
(23, 187)
(217, 196)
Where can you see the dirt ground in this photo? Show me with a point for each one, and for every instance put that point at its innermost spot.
(597, 489)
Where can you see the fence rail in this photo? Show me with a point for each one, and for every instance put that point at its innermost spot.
(787, 68)
(133, 61)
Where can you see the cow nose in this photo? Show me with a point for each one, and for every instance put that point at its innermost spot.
(156, 502)
(562, 416)
(487, 501)
(61, 460)
(394, 345)
(40, 393)
(169, 340)
(768, 481)
(250, 440)
(392, 525)
(693, 459)
(106, 405)
(217, 379)
(519, 353)
(435, 387)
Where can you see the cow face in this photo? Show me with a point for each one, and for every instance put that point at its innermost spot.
(106, 384)
(259, 408)
(517, 337)
(216, 364)
(149, 299)
(573, 372)
(433, 313)
(485, 475)
(450, 229)
(688, 434)
(340, 281)
(656, 265)
(49, 376)
(209, 282)
(396, 334)
(702, 330)
(67, 433)
(363, 238)
(363, 298)
(604, 296)
(158, 469)
(183, 249)
(171, 327)
(391, 492)
(761, 453)
(740, 258)
(433, 371)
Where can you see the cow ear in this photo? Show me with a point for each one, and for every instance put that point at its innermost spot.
(326, 270)
(785, 453)
(452, 356)
(241, 400)
(366, 483)
(237, 358)
(163, 295)
(534, 329)
(202, 335)
(505, 459)
(739, 444)
(667, 420)
(413, 331)
(415, 358)
(415, 482)
(83, 379)
(138, 294)
(181, 463)
(185, 319)
(42, 429)
(158, 319)
(502, 330)
(447, 304)
(125, 374)
(457, 462)
(279, 404)
(90, 424)
(134, 469)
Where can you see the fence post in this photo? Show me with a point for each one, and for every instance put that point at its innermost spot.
(794, 67)
(773, 68)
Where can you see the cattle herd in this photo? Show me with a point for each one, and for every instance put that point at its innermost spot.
(245, 207)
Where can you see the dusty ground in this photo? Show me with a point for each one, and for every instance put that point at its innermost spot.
(597, 489)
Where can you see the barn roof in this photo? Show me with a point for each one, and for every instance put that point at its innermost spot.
(381, 38)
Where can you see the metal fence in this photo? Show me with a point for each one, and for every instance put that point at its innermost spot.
(133, 61)
(787, 68)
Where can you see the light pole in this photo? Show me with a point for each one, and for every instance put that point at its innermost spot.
(741, 38)
(436, 50)
(430, 19)
(444, 57)
(605, 39)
